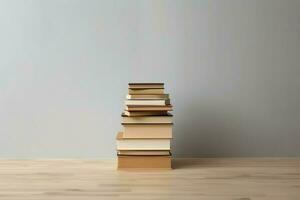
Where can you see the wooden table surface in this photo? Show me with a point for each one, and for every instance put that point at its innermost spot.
(206, 178)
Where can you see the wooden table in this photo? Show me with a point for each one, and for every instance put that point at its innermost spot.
(206, 178)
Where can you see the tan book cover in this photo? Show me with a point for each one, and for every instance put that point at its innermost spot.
(147, 96)
(147, 130)
(145, 85)
(163, 162)
(146, 91)
(148, 102)
(143, 153)
(147, 119)
(142, 144)
(148, 108)
(144, 113)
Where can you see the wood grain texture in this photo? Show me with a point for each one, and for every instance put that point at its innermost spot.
(207, 178)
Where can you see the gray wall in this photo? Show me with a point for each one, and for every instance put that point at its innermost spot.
(232, 68)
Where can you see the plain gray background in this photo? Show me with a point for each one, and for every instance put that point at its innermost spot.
(232, 69)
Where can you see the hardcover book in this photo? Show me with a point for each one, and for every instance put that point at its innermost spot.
(148, 108)
(151, 131)
(144, 113)
(163, 162)
(146, 91)
(142, 144)
(143, 153)
(147, 119)
(147, 96)
(148, 102)
(146, 85)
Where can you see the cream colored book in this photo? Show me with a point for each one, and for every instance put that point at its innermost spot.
(145, 85)
(142, 144)
(147, 130)
(147, 96)
(148, 108)
(148, 102)
(146, 91)
(147, 119)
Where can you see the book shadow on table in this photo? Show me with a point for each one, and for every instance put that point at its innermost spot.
(203, 129)
(183, 163)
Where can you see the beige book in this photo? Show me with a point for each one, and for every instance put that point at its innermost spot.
(147, 119)
(145, 85)
(146, 91)
(148, 108)
(141, 131)
(142, 144)
(143, 153)
(148, 102)
(147, 96)
(162, 162)
(144, 113)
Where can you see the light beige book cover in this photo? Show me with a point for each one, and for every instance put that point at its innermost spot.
(148, 108)
(148, 102)
(147, 130)
(147, 119)
(144, 153)
(145, 85)
(146, 91)
(142, 144)
(147, 96)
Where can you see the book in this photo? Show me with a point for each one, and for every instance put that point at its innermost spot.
(147, 119)
(142, 144)
(148, 102)
(146, 91)
(151, 131)
(148, 108)
(147, 96)
(143, 153)
(163, 162)
(146, 85)
(144, 113)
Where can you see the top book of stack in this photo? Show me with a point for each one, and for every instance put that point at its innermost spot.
(146, 88)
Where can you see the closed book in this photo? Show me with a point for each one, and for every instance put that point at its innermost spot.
(146, 91)
(163, 162)
(148, 102)
(147, 96)
(145, 130)
(142, 144)
(145, 85)
(148, 108)
(143, 153)
(144, 113)
(147, 119)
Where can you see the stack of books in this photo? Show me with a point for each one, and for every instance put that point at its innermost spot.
(145, 140)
